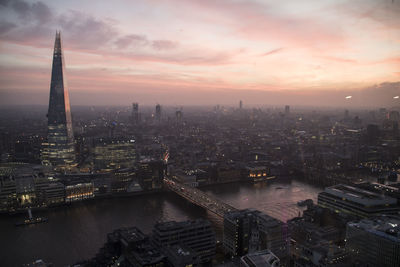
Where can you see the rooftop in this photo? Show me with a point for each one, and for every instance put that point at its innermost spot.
(173, 225)
(358, 195)
(261, 258)
(387, 227)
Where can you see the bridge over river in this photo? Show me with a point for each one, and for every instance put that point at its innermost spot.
(199, 198)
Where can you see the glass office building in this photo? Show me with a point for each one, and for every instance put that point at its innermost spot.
(59, 150)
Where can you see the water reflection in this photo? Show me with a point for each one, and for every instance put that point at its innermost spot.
(278, 198)
(81, 229)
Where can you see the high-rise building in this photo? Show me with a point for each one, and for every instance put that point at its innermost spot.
(240, 104)
(249, 230)
(239, 226)
(59, 150)
(158, 112)
(346, 114)
(150, 174)
(135, 113)
(287, 109)
(394, 115)
(178, 115)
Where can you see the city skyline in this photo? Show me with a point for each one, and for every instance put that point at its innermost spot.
(306, 53)
(201, 133)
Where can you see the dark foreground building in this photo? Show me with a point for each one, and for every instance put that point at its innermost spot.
(374, 242)
(196, 235)
(127, 247)
(173, 244)
(247, 231)
(59, 150)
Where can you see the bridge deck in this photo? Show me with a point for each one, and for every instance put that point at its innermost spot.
(199, 198)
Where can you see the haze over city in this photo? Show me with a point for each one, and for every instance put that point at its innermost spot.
(199, 133)
(204, 52)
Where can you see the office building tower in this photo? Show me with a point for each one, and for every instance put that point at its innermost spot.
(135, 113)
(240, 104)
(247, 231)
(272, 235)
(158, 112)
(374, 242)
(150, 174)
(238, 228)
(287, 109)
(356, 201)
(346, 114)
(178, 115)
(394, 115)
(196, 235)
(59, 150)
(113, 153)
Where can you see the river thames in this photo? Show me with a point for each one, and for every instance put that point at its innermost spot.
(76, 232)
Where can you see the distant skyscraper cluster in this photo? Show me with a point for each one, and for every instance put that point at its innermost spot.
(287, 109)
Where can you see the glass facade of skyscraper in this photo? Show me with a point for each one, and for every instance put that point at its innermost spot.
(59, 150)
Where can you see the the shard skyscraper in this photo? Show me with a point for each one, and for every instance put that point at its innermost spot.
(59, 150)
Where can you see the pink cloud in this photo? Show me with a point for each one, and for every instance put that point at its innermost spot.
(339, 59)
(261, 22)
(271, 52)
(226, 44)
(164, 44)
(131, 39)
(385, 13)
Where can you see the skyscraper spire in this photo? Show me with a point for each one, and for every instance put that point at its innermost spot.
(59, 150)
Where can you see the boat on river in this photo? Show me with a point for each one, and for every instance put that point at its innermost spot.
(31, 220)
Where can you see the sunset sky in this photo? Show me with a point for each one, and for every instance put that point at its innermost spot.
(183, 52)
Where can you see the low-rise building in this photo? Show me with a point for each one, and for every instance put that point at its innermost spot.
(264, 258)
(8, 194)
(356, 201)
(79, 191)
(55, 194)
(197, 235)
(181, 256)
(375, 241)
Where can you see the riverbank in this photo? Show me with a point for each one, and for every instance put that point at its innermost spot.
(81, 229)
